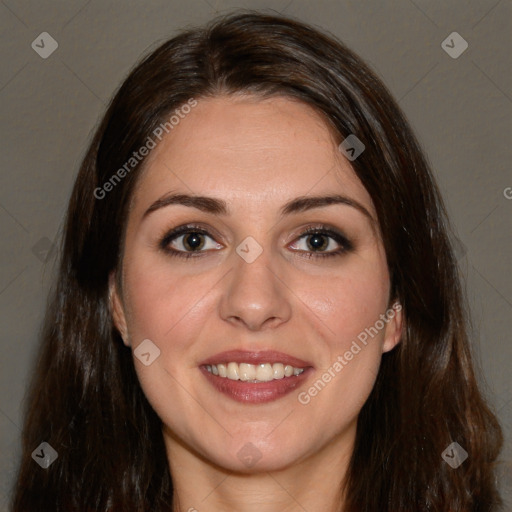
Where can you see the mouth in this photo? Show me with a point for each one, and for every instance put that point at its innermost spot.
(255, 377)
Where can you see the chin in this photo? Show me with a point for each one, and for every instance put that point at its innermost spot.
(253, 462)
(256, 455)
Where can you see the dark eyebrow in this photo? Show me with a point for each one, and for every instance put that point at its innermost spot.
(220, 207)
(301, 204)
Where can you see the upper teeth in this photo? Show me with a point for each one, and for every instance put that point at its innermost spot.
(263, 372)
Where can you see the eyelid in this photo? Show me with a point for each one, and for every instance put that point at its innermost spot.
(346, 244)
(336, 234)
(171, 234)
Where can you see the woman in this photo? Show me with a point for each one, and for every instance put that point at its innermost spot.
(258, 306)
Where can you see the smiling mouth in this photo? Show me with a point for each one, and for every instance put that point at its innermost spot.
(253, 373)
(252, 377)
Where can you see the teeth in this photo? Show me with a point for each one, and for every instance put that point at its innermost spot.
(232, 371)
(222, 370)
(246, 372)
(264, 372)
(278, 370)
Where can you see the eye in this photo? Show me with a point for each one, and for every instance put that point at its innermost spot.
(191, 241)
(321, 242)
(188, 241)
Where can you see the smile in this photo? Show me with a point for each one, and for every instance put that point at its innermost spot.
(255, 377)
(263, 372)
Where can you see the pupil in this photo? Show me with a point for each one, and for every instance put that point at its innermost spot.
(193, 241)
(318, 242)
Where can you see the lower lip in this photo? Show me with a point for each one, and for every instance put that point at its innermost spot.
(256, 392)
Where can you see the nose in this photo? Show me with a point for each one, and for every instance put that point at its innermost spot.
(256, 296)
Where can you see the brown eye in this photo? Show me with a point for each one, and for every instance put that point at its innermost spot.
(322, 242)
(188, 241)
(193, 241)
(318, 242)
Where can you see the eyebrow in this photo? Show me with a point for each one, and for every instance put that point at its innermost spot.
(219, 206)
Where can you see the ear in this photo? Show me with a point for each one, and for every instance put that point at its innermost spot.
(394, 327)
(117, 308)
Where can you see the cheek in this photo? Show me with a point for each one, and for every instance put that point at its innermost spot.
(349, 302)
(170, 304)
(165, 305)
(170, 309)
(349, 306)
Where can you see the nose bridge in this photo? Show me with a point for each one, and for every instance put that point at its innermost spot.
(255, 297)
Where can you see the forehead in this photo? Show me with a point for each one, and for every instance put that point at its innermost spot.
(245, 147)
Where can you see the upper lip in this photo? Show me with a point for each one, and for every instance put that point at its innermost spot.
(255, 357)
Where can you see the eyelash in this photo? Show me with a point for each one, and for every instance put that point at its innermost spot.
(346, 245)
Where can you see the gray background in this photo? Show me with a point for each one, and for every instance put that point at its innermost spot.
(460, 109)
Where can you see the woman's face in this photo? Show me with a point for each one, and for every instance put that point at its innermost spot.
(245, 295)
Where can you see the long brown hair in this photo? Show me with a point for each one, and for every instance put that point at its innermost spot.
(85, 399)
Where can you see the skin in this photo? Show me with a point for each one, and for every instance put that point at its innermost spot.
(256, 154)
